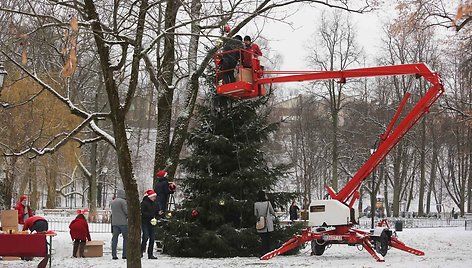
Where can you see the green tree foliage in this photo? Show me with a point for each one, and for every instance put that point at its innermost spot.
(226, 169)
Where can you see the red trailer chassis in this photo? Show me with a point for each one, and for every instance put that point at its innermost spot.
(381, 238)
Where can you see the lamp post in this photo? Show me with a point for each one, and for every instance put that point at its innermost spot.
(3, 74)
(104, 184)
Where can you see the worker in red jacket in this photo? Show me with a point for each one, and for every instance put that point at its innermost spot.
(79, 232)
(36, 223)
(251, 50)
(24, 211)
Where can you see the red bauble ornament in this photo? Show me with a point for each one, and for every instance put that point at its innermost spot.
(195, 213)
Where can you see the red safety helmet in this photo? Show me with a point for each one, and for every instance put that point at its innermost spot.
(226, 29)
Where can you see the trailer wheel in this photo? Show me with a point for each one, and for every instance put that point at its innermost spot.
(381, 244)
(318, 247)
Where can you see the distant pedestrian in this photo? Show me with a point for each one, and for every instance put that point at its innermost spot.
(263, 208)
(148, 220)
(293, 211)
(119, 223)
(36, 224)
(80, 233)
(230, 58)
(251, 50)
(24, 211)
(162, 189)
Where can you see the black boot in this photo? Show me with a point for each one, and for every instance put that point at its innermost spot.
(81, 249)
(76, 247)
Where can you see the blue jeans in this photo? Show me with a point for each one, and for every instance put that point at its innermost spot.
(117, 229)
(148, 234)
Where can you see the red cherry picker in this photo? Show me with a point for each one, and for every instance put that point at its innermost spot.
(331, 221)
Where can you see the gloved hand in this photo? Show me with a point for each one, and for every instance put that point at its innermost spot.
(153, 221)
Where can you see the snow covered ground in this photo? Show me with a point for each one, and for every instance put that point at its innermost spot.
(444, 247)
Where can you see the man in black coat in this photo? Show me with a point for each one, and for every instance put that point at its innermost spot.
(162, 190)
(148, 212)
(229, 60)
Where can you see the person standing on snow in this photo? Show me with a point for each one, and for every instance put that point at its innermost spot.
(80, 233)
(251, 50)
(119, 222)
(263, 208)
(24, 211)
(293, 211)
(148, 212)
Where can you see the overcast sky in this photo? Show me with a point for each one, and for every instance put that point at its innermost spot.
(291, 43)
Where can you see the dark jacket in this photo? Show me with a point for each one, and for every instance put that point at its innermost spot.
(119, 209)
(162, 190)
(79, 229)
(230, 60)
(294, 212)
(148, 210)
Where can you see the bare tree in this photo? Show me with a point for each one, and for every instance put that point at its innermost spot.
(120, 33)
(337, 51)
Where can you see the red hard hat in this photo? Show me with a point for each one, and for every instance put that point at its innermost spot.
(226, 29)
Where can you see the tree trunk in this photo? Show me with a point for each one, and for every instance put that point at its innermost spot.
(469, 182)
(34, 194)
(422, 168)
(397, 179)
(166, 89)
(10, 175)
(183, 121)
(432, 179)
(118, 116)
(93, 183)
(335, 149)
(51, 175)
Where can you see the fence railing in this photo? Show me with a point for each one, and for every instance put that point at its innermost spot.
(60, 223)
(365, 223)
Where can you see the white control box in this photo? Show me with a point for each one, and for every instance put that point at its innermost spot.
(331, 212)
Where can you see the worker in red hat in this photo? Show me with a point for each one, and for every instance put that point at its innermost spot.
(24, 211)
(36, 223)
(148, 212)
(163, 191)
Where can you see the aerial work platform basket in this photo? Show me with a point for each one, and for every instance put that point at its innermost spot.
(244, 85)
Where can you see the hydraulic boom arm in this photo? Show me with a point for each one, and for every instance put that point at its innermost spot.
(390, 138)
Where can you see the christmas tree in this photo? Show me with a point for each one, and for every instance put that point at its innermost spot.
(226, 169)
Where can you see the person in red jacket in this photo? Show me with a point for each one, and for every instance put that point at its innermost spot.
(79, 232)
(36, 223)
(24, 211)
(251, 50)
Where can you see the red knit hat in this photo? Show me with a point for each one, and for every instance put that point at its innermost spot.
(150, 193)
(161, 173)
